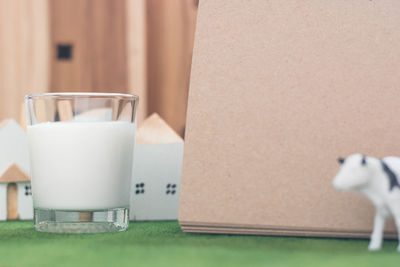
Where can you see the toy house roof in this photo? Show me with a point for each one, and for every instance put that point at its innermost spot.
(4, 123)
(13, 174)
(10, 122)
(13, 147)
(154, 130)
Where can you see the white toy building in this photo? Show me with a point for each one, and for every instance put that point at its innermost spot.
(376, 179)
(157, 170)
(15, 188)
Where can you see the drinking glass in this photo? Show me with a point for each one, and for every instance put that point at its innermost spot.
(81, 155)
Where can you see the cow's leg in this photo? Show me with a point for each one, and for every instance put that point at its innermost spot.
(394, 206)
(397, 221)
(377, 233)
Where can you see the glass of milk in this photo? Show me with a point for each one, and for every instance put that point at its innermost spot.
(81, 155)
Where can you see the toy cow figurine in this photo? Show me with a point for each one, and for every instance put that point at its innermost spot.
(377, 180)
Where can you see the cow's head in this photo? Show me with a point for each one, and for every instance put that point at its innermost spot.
(354, 173)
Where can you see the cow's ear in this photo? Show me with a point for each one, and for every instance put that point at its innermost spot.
(340, 160)
(363, 161)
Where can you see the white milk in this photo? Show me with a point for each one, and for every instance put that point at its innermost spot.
(81, 165)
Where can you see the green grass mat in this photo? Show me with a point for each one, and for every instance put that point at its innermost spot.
(164, 244)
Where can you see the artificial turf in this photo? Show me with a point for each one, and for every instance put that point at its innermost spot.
(164, 244)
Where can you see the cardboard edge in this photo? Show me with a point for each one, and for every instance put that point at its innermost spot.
(277, 231)
(305, 232)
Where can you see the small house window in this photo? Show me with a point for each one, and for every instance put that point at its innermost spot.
(64, 51)
(139, 188)
(171, 189)
(28, 190)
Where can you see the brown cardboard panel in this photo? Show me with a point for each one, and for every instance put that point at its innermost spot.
(278, 92)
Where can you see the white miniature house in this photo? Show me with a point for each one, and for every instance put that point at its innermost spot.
(15, 188)
(157, 169)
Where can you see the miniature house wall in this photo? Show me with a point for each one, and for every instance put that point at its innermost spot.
(15, 188)
(157, 170)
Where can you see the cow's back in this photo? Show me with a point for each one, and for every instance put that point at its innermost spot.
(394, 164)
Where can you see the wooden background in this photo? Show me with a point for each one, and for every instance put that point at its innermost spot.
(127, 46)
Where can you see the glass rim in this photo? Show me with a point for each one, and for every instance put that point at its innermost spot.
(72, 95)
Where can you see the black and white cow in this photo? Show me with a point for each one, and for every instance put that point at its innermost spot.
(376, 179)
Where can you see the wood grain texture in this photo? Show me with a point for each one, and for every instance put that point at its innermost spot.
(24, 32)
(22, 116)
(170, 28)
(12, 201)
(136, 53)
(96, 31)
(65, 110)
(128, 46)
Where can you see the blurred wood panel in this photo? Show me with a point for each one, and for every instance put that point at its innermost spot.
(96, 31)
(24, 35)
(142, 47)
(136, 53)
(170, 29)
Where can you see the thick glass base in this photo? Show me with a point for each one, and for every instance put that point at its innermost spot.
(93, 221)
